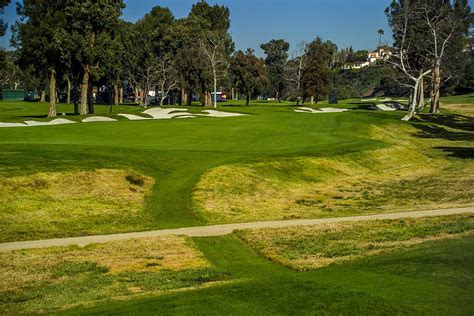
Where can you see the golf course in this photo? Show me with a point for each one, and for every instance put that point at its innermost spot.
(271, 163)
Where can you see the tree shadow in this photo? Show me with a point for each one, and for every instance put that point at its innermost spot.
(458, 152)
(448, 127)
(462, 122)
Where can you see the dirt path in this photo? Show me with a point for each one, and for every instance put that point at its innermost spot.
(218, 230)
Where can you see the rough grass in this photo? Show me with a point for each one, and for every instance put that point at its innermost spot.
(59, 204)
(408, 175)
(313, 247)
(46, 280)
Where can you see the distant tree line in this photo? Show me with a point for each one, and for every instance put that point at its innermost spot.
(77, 46)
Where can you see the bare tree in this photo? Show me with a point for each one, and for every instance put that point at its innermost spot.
(295, 68)
(167, 76)
(442, 24)
(214, 47)
(411, 69)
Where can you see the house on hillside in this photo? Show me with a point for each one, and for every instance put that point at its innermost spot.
(380, 54)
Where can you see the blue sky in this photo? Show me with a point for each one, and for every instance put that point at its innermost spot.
(345, 22)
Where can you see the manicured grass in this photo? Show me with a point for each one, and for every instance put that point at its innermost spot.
(272, 143)
(176, 153)
(432, 278)
(313, 247)
(47, 280)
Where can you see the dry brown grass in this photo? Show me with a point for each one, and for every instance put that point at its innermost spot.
(71, 203)
(370, 181)
(20, 268)
(466, 109)
(314, 247)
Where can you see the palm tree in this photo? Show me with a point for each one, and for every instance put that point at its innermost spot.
(381, 33)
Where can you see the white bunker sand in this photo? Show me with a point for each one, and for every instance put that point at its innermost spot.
(12, 125)
(384, 107)
(320, 111)
(53, 122)
(155, 113)
(91, 119)
(214, 113)
(132, 117)
(166, 114)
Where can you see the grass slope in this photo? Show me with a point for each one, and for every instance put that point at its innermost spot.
(432, 278)
(177, 153)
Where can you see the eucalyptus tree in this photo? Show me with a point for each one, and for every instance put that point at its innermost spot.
(213, 23)
(3, 25)
(427, 33)
(91, 24)
(294, 70)
(276, 59)
(38, 41)
(248, 73)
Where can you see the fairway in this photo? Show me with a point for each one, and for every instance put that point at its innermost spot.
(271, 164)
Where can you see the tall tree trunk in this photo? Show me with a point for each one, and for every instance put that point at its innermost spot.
(247, 101)
(120, 94)
(116, 93)
(43, 96)
(68, 91)
(421, 94)
(214, 102)
(75, 97)
(182, 99)
(90, 98)
(312, 99)
(137, 95)
(412, 109)
(233, 93)
(436, 86)
(84, 90)
(52, 93)
(189, 98)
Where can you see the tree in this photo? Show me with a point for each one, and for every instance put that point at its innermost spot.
(277, 55)
(427, 33)
(294, 70)
(316, 77)
(410, 58)
(248, 73)
(11, 76)
(37, 38)
(381, 33)
(90, 25)
(448, 24)
(214, 39)
(3, 25)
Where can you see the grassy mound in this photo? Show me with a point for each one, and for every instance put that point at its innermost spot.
(59, 204)
(313, 247)
(52, 279)
(408, 175)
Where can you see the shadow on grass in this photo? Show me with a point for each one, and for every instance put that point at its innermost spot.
(462, 122)
(458, 152)
(448, 127)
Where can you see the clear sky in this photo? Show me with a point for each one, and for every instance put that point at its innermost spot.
(345, 22)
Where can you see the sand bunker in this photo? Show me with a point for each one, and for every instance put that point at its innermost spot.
(155, 113)
(320, 111)
(166, 114)
(384, 107)
(53, 122)
(132, 117)
(12, 125)
(98, 119)
(214, 113)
